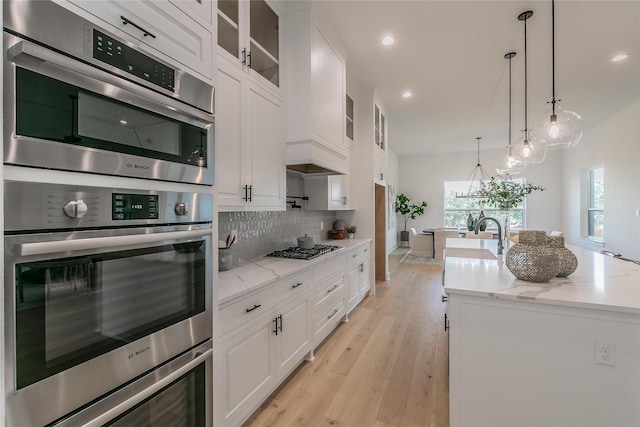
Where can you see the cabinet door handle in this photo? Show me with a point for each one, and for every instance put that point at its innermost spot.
(255, 306)
(296, 285)
(333, 313)
(444, 298)
(361, 267)
(280, 327)
(249, 59)
(275, 326)
(145, 33)
(333, 288)
(446, 322)
(250, 192)
(246, 193)
(244, 56)
(344, 200)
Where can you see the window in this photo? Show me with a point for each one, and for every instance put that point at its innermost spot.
(595, 204)
(457, 210)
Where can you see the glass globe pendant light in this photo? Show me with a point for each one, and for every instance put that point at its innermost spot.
(557, 128)
(525, 152)
(507, 165)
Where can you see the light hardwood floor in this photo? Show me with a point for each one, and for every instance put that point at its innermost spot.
(386, 367)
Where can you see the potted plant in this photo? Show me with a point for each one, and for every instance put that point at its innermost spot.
(351, 231)
(408, 210)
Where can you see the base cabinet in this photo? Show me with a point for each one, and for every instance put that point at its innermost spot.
(253, 361)
(358, 275)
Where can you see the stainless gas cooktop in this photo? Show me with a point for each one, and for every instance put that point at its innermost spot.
(295, 252)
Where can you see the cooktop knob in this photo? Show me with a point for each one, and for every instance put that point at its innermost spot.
(181, 209)
(75, 208)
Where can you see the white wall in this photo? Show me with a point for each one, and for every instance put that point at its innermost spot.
(422, 178)
(615, 145)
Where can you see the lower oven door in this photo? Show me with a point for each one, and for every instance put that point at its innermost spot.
(178, 394)
(87, 312)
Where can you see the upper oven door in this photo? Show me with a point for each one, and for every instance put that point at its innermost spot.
(65, 114)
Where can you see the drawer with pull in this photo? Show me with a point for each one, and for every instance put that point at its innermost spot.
(262, 301)
(329, 288)
(326, 317)
(358, 255)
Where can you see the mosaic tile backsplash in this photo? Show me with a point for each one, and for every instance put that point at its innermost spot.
(260, 233)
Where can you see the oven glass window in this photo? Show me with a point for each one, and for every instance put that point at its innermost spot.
(53, 110)
(71, 310)
(180, 404)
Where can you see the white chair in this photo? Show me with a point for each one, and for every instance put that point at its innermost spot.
(440, 240)
(556, 234)
(480, 235)
(420, 243)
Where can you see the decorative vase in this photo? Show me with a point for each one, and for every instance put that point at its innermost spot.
(533, 263)
(568, 260)
(225, 259)
(483, 226)
(404, 237)
(533, 237)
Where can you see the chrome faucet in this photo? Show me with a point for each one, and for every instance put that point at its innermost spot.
(488, 218)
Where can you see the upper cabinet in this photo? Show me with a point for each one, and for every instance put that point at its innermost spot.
(250, 170)
(165, 29)
(249, 35)
(349, 118)
(380, 128)
(316, 88)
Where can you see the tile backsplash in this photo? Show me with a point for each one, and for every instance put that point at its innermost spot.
(260, 233)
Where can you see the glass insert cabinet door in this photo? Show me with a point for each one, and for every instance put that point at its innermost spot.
(249, 31)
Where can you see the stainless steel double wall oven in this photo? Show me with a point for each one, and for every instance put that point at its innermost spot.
(108, 291)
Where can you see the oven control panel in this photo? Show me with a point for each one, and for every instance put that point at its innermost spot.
(59, 206)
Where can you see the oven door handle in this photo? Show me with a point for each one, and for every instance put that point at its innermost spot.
(33, 56)
(41, 248)
(123, 407)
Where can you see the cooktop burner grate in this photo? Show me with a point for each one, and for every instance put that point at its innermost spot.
(295, 252)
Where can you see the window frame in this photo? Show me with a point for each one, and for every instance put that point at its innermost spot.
(590, 210)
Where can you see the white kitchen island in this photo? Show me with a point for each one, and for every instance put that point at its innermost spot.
(560, 353)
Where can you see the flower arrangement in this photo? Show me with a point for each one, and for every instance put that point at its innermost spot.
(351, 229)
(506, 194)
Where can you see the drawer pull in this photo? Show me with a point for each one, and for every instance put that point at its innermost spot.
(366, 250)
(333, 288)
(332, 313)
(353, 256)
(296, 285)
(145, 33)
(249, 310)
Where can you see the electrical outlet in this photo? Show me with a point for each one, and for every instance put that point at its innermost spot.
(321, 225)
(605, 353)
(234, 235)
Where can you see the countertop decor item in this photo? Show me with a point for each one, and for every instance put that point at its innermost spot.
(337, 234)
(538, 259)
(568, 260)
(351, 231)
(338, 224)
(305, 242)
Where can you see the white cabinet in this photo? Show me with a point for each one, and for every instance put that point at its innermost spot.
(249, 36)
(329, 297)
(358, 275)
(250, 169)
(327, 192)
(316, 88)
(163, 27)
(263, 339)
(199, 10)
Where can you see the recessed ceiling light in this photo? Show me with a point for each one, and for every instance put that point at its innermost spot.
(388, 41)
(123, 122)
(620, 57)
(407, 94)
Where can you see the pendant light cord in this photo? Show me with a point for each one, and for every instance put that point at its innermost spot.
(553, 57)
(526, 132)
(510, 56)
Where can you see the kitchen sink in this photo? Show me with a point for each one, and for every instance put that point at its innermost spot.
(469, 253)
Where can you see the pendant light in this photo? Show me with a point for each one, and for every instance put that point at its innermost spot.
(557, 128)
(479, 175)
(507, 165)
(524, 151)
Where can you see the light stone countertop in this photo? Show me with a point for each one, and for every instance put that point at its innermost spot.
(259, 272)
(599, 282)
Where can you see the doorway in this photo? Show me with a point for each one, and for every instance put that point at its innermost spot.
(381, 267)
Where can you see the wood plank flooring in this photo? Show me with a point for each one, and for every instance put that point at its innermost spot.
(386, 367)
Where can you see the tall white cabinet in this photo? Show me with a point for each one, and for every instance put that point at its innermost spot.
(250, 162)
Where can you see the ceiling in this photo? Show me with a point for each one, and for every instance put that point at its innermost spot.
(450, 55)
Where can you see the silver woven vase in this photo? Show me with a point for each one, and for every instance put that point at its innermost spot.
(568, 260)
(533, 263)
